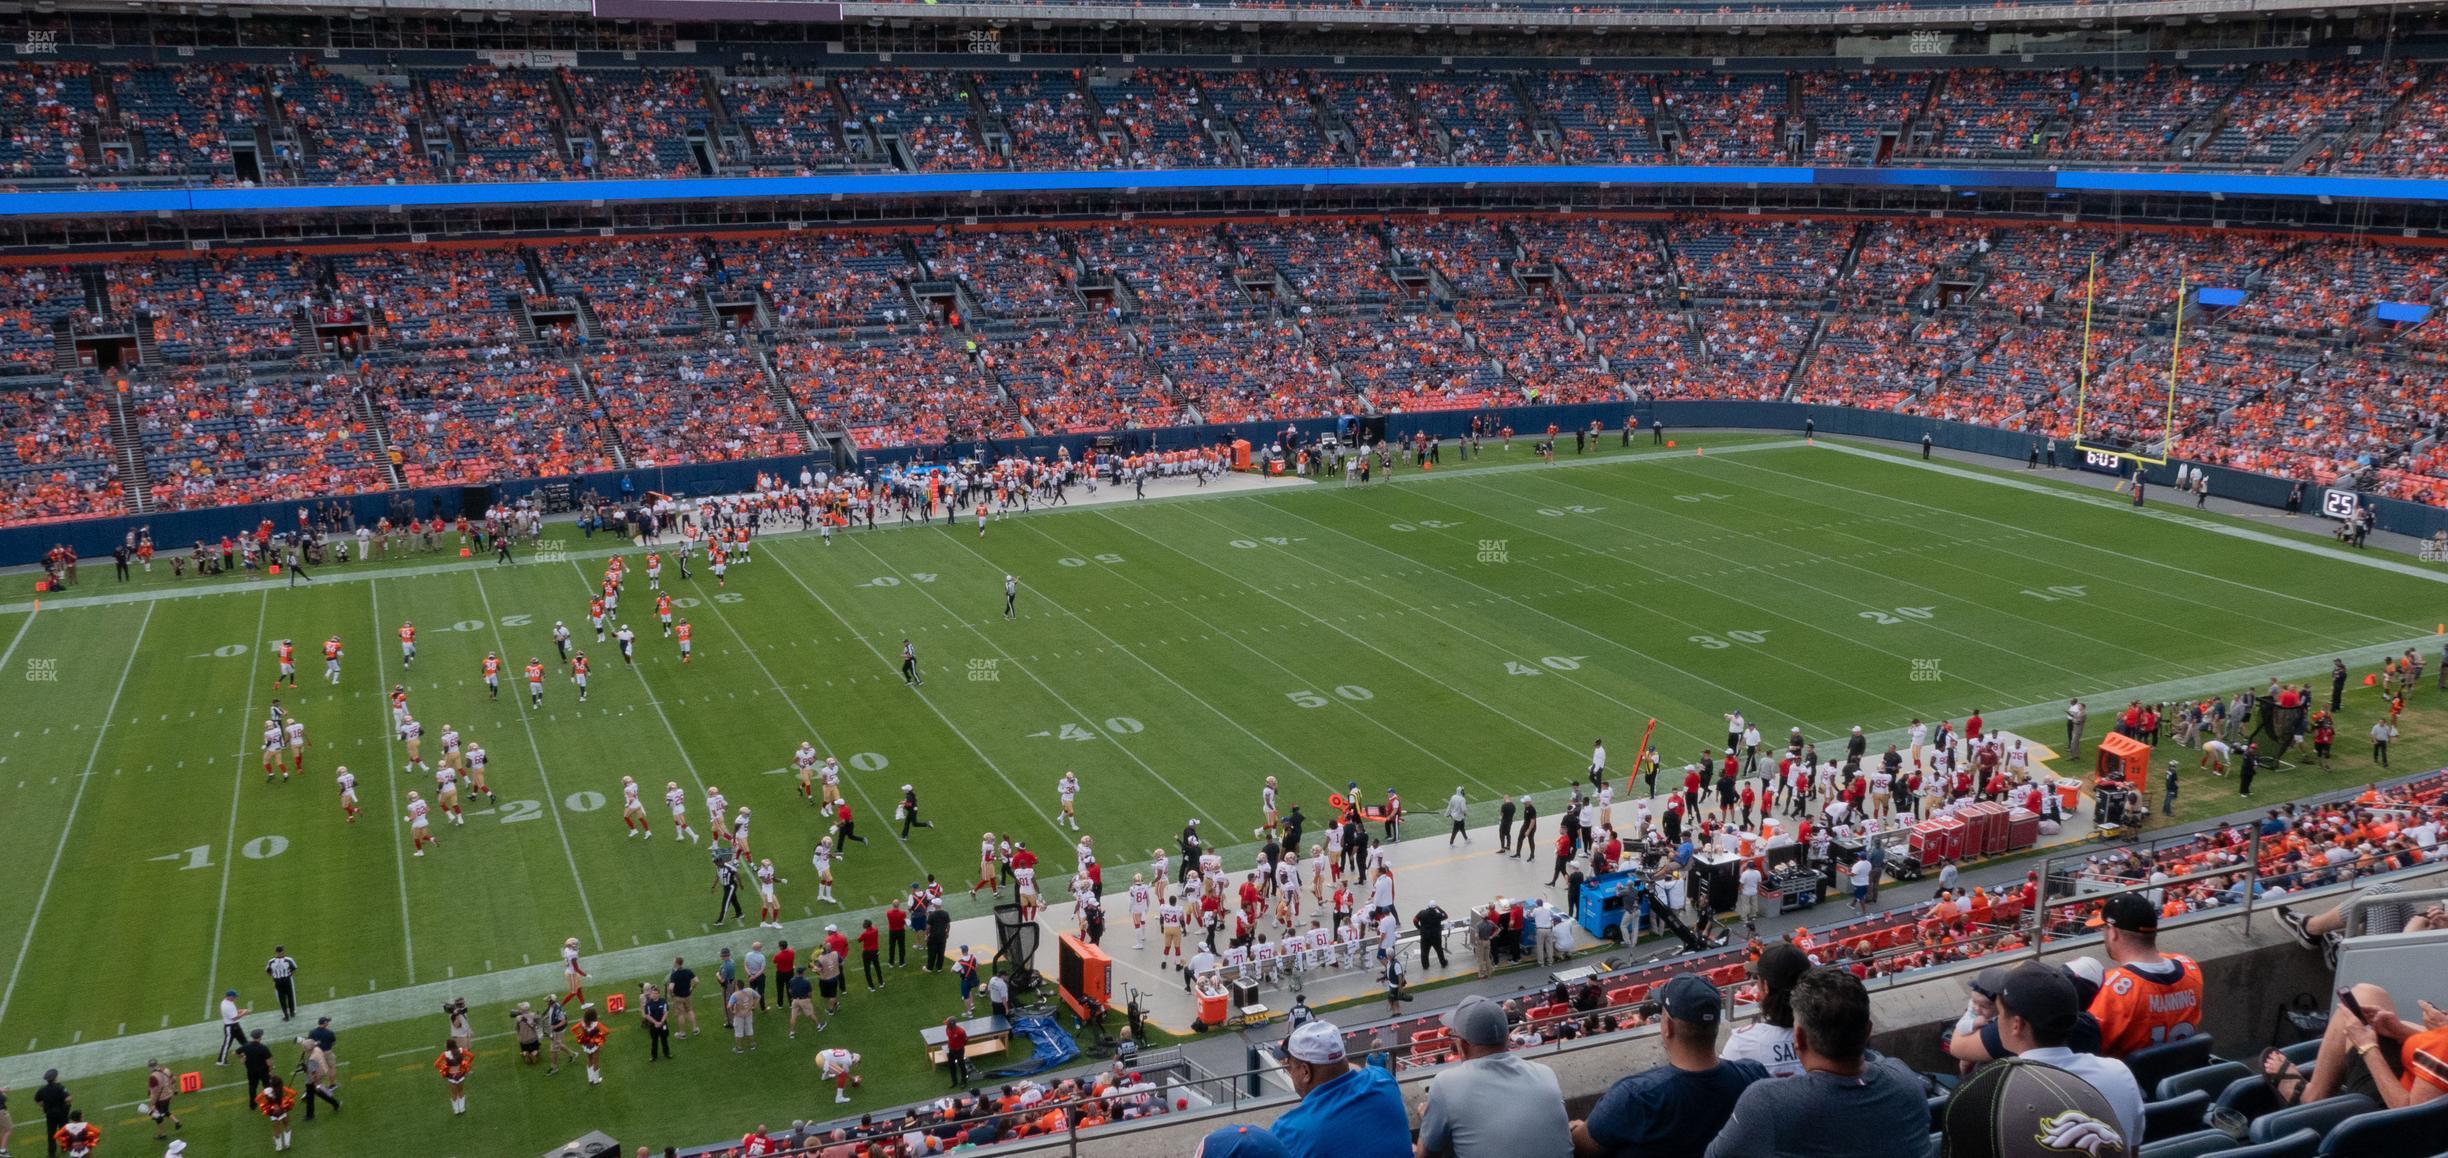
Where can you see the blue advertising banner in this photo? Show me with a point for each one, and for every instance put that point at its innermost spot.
(104, 202)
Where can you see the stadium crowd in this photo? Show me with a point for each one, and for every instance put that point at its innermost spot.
(179, 122)
(904, 337)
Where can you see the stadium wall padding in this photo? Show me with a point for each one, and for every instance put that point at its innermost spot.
(94, 538)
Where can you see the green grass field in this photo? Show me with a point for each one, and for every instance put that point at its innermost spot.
(1475, 626)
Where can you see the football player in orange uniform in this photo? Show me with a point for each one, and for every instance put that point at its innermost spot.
(578, 674)
(492, 675)
(535, 682)
(331, 661)
(663, 613)
(682, 634)
(287, 651)
(407, 634)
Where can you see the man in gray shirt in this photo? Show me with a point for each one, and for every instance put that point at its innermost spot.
(1878, 1101)
(1493, 1103)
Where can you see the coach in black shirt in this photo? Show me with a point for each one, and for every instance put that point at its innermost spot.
(53, 1098)
(257, 1057)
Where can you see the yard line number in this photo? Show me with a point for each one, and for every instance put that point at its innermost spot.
(1899, 615)
(1309, 699)
(1549, 662)
(1714, 643)
(1118, 725)
(200, 857)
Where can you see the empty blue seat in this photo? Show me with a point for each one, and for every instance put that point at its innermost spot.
(2300, 1144)
(2175, 1116)
(2151, 1063)
(2210, 1078)
(2317, 1117)
(2193, 1145)
(2406, 1133)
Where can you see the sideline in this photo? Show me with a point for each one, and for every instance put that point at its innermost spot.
(1107, 496)
(2384, 561)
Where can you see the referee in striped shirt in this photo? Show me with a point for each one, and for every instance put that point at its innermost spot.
(282, 969)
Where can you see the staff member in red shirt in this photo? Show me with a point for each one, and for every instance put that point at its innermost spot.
(956, 1050)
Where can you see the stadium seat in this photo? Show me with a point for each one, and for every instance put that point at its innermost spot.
(2210, 1078)
(2403, 1133)
(2317, 1117)
(2300, 1144)
(2193, 1145)
(2152, 1063)
(2175, 1116)
(2247, 1096)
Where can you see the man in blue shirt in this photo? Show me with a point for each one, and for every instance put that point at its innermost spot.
(1673, 1110)
(1345, 1111)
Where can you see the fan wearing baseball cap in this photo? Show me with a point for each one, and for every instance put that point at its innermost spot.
(2027, 1109)
(1672, 1110)
(1345, 1111)
(1494, 1103)
(1849, 1102)
(1240, 1142)
(2147, 997)
(2038, 1009)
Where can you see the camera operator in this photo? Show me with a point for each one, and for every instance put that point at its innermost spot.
(460, 1031)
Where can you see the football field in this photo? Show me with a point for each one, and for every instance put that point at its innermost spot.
(1477, 626)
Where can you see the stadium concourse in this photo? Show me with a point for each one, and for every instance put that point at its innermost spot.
(153, 383)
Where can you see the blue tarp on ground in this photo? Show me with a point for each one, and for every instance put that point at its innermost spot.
(1050, 1046)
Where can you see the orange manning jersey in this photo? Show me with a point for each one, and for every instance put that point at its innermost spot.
(2138, 1008)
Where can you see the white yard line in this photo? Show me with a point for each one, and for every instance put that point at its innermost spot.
(19, 638)
(2246, 533)
(42, 896)
(1938, 559)
(816, 733)
(928, 700)
(1770, 653)
(678, 745)
(1296, 766)
(1732, 696)
(1226, 635)
(552, 799)
(1494, 649)
(247, 729)
(1084, 718)
(385, 737)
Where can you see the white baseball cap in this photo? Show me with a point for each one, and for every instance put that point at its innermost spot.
(1316, 1042)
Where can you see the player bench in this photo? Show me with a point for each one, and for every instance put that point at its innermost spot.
(990, 1034)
